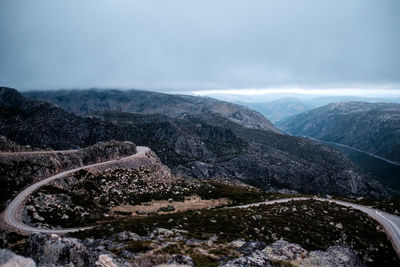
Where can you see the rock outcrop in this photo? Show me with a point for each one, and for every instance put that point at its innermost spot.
(53, 250)
(282, 252)
(10, 259)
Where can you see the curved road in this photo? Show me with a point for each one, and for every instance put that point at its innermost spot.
(390, 222)
(12, 214)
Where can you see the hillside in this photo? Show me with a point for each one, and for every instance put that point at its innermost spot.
(145, 102)
(200, 146)
(372, 127)
(18, 170)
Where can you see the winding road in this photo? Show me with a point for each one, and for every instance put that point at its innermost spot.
(12, 215)
(390, 222)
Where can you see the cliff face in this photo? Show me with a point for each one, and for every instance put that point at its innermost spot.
(18, 170)
(372, 127)
(201, 146)
(145, 102)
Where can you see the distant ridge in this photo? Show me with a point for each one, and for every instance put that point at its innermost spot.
(146, 102)
(372, 127)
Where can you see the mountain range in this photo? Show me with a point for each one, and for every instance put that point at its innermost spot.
(145, 102)
(200, 144)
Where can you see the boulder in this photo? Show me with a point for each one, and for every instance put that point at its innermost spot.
(256, 259)
(251, 246)
(282, 250)
(8, 258)
(53, 250)
(292, 254)
(168, 208)
(334, 256)
(179, 259)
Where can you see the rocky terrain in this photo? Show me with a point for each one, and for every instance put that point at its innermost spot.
(87, 197)
(20, 170)
(300, 233)
(199, 146)
(296, 233)
(54, 250)
(145, 102)
(311, 224)
(372, 127)
(8, 258)
(386, 173)
(7, 145)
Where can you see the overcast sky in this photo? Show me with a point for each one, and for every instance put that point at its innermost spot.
(190, 45)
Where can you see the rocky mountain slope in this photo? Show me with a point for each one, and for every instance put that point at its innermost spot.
(145, 102)
(85, 196)
(7, 145)
(20, 170)
(372, 127)
(200, 146)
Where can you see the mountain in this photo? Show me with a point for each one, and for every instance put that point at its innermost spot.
(200, 145)
(281, 108)
(371, 127)
(284, 107)
(325, 100)
(145, 102)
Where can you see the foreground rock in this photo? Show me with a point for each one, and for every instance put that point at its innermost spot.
(181, 260)
(8, 258)
(130, 249)
(53, 250)
(283, 252)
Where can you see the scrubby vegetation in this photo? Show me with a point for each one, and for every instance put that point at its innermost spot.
(390, 205)
(85, 197)
(314, 225)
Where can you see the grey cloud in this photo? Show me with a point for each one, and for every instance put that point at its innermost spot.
(207, 44)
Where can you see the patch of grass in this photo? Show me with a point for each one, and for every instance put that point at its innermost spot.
(135, 246)
(172, 249)
(220, 251)
(203, 260)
